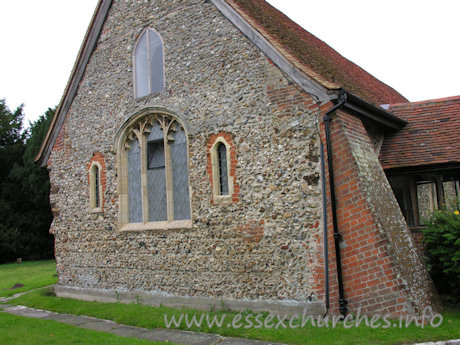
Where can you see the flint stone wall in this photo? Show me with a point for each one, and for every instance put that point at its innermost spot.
(216, 81)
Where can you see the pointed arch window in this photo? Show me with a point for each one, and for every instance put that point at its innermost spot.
(95, 186)
(223, 171)
(222, 159)
(154, 184)
(148, 64)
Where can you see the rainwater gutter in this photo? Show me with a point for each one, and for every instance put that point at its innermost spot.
(337, 237)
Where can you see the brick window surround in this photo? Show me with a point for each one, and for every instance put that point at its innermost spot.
(96, 165)
(213, 169)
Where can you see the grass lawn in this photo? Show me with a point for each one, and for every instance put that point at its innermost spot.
(150, 317)
(31, 274)
(37, 274)
(26, 331)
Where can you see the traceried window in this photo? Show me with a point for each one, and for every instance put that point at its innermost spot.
(148, 64)
(154, 190)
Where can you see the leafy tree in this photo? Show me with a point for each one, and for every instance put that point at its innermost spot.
(38, 132)
(24, 189)
(442, 246)
(10, 125)
(11, 140)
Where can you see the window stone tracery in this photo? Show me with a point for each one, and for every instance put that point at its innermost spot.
(154, 185)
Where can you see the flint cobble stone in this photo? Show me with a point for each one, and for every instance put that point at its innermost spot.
(216, 81)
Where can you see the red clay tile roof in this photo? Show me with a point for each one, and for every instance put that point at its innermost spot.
(431, 137)
(311, 55)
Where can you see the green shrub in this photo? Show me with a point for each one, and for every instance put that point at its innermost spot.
(442, 246)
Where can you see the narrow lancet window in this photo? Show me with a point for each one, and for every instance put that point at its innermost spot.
(96, 187)
(223, 174)
(222, 168)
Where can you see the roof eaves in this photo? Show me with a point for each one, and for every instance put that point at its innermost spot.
(421, 168)
(373, 113)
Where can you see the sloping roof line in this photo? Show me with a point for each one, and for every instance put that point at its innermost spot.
(321, 67)
(424, 102)
(431, 137)
(280, 47)
(304, 80)
(84, 54)
(313, 56)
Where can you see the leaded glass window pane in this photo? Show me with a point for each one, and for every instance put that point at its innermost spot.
(97, 203)
(155, 133)
(142, 67)
(223, 174)
(149, 69)
(156, 62)
(156, 184)
(180, 175)
(156, 181)
(157, 174)
(134, 183)
(156, 154)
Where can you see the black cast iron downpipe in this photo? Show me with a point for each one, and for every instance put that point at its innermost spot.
(325, 241)
(327, 120)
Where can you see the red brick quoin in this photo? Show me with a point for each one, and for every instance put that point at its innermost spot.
(61, 145)
(98, 157)
(229, 139)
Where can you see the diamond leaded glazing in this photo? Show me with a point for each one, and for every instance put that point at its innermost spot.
(148, 66)
(180, 175)
(156, 174)
(157, 169)
(134, 183)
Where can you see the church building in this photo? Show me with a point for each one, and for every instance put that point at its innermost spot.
(211, 153)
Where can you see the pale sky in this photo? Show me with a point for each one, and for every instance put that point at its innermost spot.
(412, 45)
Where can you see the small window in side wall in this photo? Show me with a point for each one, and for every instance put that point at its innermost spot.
(223, 171)
(148, 64)
(97, 197)
(223, 183)
(95, 193)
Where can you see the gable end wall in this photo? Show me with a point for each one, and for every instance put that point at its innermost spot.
(266, 244)
(256, 248)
